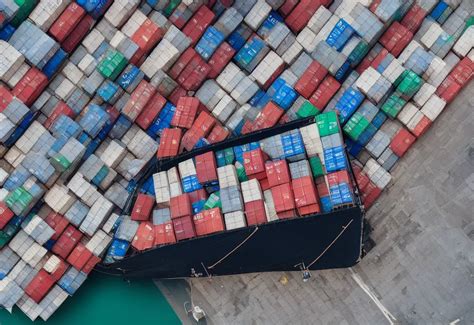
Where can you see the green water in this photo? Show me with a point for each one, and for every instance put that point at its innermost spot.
(106, 300)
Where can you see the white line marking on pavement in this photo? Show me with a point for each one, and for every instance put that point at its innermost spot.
(391, 319)
(454, 322)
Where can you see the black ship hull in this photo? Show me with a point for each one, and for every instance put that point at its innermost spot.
(323, 241)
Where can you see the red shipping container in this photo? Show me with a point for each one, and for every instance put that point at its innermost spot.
(67, 241)
(66, 23)
(151, 111)
(309, 209)
(198, 23)
(396, 38)
(370, 195)
(184, 227)
(254, 163)
(218, 134)
(138, 100)
(310, 80)
(368, 59)
(113, 113)
(91, 263)
(78, 34)
(176, 94)
(401, 142)
(57, 222)
(147, 35)
(304, 191)
(182, 62)
(264, 185)
(190, 138)
(39, 286)
(5, 214)
(164, 234)
(338, 177)
(145, 236)
(462, 72)
(79, 256)
(422, 127)
(143, 207)
(322, 187)
(5, 98)
(30, 86)
(194, 74)
(169, 143)
(208, 222)
(277, 172)
(301, 14)
(287, 7)
(198, 195)
(206, 167)
(255, 212)
(219, 59)
(286, 214)
(60, 270)
(204, 122)
(379, 58)
(61, 109)
(283, 197)
(321, 97)
(268, 117)
(186, 111)
(361, 178)
(180, 206)
(448, 89)
(414, 18)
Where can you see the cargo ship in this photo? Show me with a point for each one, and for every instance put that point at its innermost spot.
(201, 138)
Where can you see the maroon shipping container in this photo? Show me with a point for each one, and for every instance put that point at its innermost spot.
(206, 167)
(197, 195)
(367, 61)
(379, 58)
(310, 80)
(143, 206)
(401, 142)
(200, 129)
(370, 194)
(255, 212)
(186, 111)
(77, 35)
(267, 118)
(151, 111)
(176, 94)
(180, 206)
(414, 18)
(283, 198)
(396, 38)
(164, 234)
(254, 164)
(219, 59)
(208, 222)
(60, 270)
(182, 62)
(79, 256)
(147, 35)
(463, 71)
(57, 222)
(30, 86)
(326, 90)
(194, 74)
(448, 89)
(184, 227)
(5, 214)
(145, 236)
(301, 14)
(61, 109)
(138, 100)
(39, 286)
(218, 134)
(287, 7)
(198, 23)
(67, 241)
(169, 143)
(5, 98)
(91, 263)
(361, 178)
(66, 23)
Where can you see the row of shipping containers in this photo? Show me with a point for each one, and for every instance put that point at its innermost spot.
(92, 91)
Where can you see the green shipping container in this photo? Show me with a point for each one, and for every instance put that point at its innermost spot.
(393, 105)
(327, 123)
(229, 156)
(307, 110)
(214, 201)
(60, 162)
(409, 84)
(112, 64)
(241, 172)
(19, 198)
(171, 7)
(316, 166)
(24, 10)
(358, 53)
(355, 126)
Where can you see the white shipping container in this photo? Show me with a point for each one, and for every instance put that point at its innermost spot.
(257, 14)
(234, 220)
(251, 191)
(433, 107)
(227, 176)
